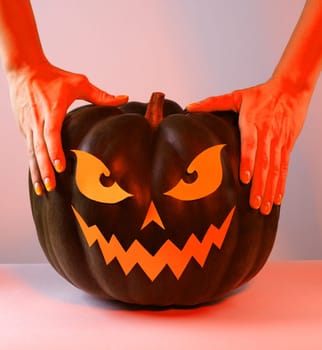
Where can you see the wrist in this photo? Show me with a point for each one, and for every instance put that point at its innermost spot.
(25, 68)
(294, 83)
(298, 77)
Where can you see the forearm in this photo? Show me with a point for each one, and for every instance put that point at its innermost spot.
(20, 45)
(301, 62)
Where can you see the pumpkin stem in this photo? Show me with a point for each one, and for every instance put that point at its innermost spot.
(154, 111)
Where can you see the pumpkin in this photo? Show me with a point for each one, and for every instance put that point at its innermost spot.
(150, 209)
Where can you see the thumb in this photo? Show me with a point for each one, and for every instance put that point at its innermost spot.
(231, 101)
(93, 94)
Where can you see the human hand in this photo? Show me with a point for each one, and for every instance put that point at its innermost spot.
(40, 99)
(271, 116)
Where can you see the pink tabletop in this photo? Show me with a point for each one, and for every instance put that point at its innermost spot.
(281, 308)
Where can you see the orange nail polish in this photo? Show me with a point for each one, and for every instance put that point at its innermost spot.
(246, 177)
(58, 166)
(257, 201)
(38, 189)
(48, 184)
(267, 208)
(192, 106)
(278, 200)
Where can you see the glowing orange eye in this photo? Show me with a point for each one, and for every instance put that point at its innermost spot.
(92, 179)
(207, 170)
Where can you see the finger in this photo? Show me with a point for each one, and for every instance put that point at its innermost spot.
(248, 144)
(272, 178)
(261, 167)
(280, 189)
(231, 101)
(93, 94)
(52, 136)
(43, 161)
(33, 166)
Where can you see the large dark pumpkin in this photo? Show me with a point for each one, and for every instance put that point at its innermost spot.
(150, 209)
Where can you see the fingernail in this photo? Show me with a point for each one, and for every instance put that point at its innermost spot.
(38, 189)
(278, 200)
(267, 208)
(58, 166)
(246, 177)
(192, 106)
(48, 184)
(122, 97)
(257, 201)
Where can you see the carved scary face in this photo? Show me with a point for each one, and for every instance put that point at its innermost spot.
(150, 209)
(205, 171)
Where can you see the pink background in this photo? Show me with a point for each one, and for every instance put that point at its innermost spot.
(187, 49)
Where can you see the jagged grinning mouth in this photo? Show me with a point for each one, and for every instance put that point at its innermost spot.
(169, 254)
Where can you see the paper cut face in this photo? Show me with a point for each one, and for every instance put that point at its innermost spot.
(95, 181)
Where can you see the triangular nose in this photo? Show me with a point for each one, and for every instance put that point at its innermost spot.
(152, 215)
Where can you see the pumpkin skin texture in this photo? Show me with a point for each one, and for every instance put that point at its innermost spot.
(150, 209)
